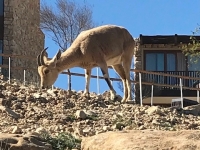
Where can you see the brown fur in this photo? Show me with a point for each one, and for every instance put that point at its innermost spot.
(102, 46)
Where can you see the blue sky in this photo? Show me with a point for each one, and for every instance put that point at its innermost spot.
(147, 17)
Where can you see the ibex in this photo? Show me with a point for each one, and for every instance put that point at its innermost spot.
(102, 46)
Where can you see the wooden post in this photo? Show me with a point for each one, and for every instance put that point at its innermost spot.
(140, 82)
(24, 77)
(198, 93)
(9, 69)
(181, 89)
(152, 95)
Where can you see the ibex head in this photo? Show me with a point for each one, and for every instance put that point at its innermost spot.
(47, 69)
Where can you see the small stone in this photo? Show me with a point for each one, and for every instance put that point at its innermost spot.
(155, 122)
(111, 107)
(40, 130)
(70, 129)
(46, 121)
(36, 95)
(142, 127)
(90, 113)
(118, 126)
(87, 130)
(16, 130)
(81, 114)
(106, 128)
(153, 109)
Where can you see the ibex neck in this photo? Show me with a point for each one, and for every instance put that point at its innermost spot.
(69, 59)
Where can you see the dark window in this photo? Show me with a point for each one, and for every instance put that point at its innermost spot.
(171, 62)
(1, 18)
(1, 27)
(1, 7)
(155, 62)
(181, 62)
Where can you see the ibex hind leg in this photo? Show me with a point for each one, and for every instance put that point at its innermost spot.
(127, 67)
(104, 70)
(120, 70)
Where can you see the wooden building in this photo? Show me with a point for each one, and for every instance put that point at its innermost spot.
(164, 54)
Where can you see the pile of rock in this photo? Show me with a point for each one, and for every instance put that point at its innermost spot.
(26, 109)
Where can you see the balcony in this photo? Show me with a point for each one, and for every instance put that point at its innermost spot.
(174, 81)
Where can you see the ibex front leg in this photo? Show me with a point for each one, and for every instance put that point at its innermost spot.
(104, 70)
(87, 82)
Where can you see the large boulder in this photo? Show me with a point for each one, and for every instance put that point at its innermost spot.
(143, 140)
(22, 142)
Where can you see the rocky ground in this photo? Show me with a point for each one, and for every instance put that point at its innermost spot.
(27, 109)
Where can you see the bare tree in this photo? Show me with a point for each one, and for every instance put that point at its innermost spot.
(64, 22)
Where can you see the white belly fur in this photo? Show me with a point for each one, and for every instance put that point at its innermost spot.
(114, 61)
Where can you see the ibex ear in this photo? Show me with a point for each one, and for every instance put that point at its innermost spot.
(56, 57)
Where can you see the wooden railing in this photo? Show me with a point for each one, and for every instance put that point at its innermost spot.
(161, 79)
(174, 77)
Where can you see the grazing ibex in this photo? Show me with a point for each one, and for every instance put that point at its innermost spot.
(103, 46)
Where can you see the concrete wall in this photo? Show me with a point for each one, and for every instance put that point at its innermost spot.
(22, 36)
(164, 100)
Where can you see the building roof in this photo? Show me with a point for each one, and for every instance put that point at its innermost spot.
(166, 39)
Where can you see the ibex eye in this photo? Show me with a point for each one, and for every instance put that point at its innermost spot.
(46, 71)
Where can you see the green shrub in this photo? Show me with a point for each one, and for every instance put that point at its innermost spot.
(63, 141)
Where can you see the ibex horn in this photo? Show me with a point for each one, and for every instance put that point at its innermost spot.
(42, 56)
(38, 60)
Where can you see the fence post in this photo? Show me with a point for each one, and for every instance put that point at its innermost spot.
(198, 96)
(152, 95)
(98, 80)
(181, 89)
(9, 69)
(69, 80)
(140, 82)
(24, 77)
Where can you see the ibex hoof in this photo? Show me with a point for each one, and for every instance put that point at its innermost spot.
(123, 101)
(113, 97)
(127, 101)
(117, 98)
(86, 94)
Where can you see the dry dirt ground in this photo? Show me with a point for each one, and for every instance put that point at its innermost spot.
(143, 140)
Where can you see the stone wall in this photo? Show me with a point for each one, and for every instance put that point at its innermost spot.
(137, 66)
(22, 36)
